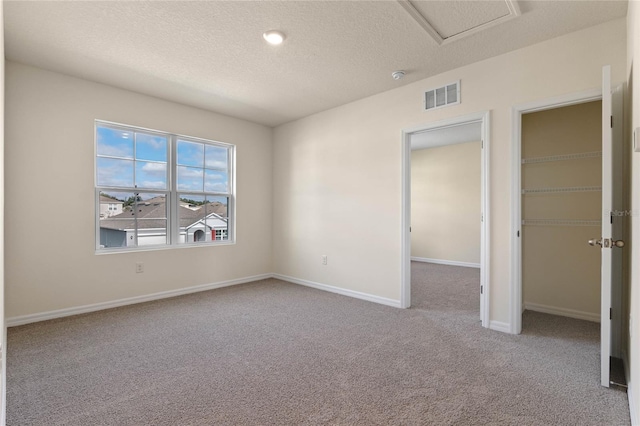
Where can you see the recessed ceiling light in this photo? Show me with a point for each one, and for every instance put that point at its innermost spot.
(274, 37)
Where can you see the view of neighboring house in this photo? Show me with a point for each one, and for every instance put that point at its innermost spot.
(110, 206)
(148, 220)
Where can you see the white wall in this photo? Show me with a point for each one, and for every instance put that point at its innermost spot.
(337, 174)
(445, 203)
(51, 262)
(633, 81)
(3, 329)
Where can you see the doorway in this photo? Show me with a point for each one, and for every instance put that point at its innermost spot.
(560, 185)
(561, 199)
(436, 135)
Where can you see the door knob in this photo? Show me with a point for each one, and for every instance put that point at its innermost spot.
(594, 242)
(606, 243)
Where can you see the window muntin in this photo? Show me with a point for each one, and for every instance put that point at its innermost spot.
(134, 166)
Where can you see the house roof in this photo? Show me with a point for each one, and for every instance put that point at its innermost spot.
(152, 214)
(335, 52)
(109, 200)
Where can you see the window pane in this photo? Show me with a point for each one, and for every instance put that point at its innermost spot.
(216, 157)
(217, 218)
(216, 181)
(151, 175)
(116, 227)
(114, 143)
(113, 172)
(151, 216)
(190, 154)
(218, 205)
(143, 216)
(191, 215)
(201, 218)
(151, 147)
(190, 179)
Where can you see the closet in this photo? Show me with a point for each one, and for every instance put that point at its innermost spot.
(561, 210)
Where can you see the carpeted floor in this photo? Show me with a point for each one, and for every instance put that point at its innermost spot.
(274, 353)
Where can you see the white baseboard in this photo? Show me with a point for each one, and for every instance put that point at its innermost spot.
(342, 291)
(635, 416)
(445, 262)
(563, 312)
(43, 316)
(500, 326)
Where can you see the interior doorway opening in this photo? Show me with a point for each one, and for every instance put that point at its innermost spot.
(567, 184)
(453, 139)
(445, 217)
(561, 199)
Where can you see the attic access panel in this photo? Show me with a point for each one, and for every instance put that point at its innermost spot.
(447, 21)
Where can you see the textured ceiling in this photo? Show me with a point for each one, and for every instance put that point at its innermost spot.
(211, 54)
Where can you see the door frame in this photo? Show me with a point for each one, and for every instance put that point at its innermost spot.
(515, 302)
(484, 117)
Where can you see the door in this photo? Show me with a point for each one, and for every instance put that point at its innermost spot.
(610, 241)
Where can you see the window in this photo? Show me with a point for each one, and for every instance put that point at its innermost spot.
(174, 190)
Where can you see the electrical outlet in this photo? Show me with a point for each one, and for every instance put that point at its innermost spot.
(324, 259)
(139, 267)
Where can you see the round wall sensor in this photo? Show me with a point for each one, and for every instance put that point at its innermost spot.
(398, 75)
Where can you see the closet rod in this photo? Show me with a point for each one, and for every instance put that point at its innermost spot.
(565, 189)
(561, 222)
(564, 157)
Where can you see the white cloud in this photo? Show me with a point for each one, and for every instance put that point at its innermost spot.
(156, 184)
(155, 168)
(155, 142)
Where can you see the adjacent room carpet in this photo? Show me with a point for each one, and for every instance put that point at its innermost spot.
(275, 353)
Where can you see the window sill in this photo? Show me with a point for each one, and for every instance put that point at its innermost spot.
(160, 248)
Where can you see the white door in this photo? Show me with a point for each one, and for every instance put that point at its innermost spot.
(611, 223)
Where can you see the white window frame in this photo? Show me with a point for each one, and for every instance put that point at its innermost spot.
(171, 193)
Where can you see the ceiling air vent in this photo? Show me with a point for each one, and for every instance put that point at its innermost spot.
(442, 96)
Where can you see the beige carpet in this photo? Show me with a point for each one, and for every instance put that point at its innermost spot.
(274, 353)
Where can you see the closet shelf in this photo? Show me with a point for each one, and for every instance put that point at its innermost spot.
(561, 222)
(562, 190)
(565, 157)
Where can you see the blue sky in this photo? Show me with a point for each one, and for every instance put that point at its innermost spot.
(201, 167)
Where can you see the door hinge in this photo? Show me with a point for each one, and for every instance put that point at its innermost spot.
(610, 314)
(409, 229)
(481, 144)
(481, 289)
(611, 216)
(612, 121)
(518, 234)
